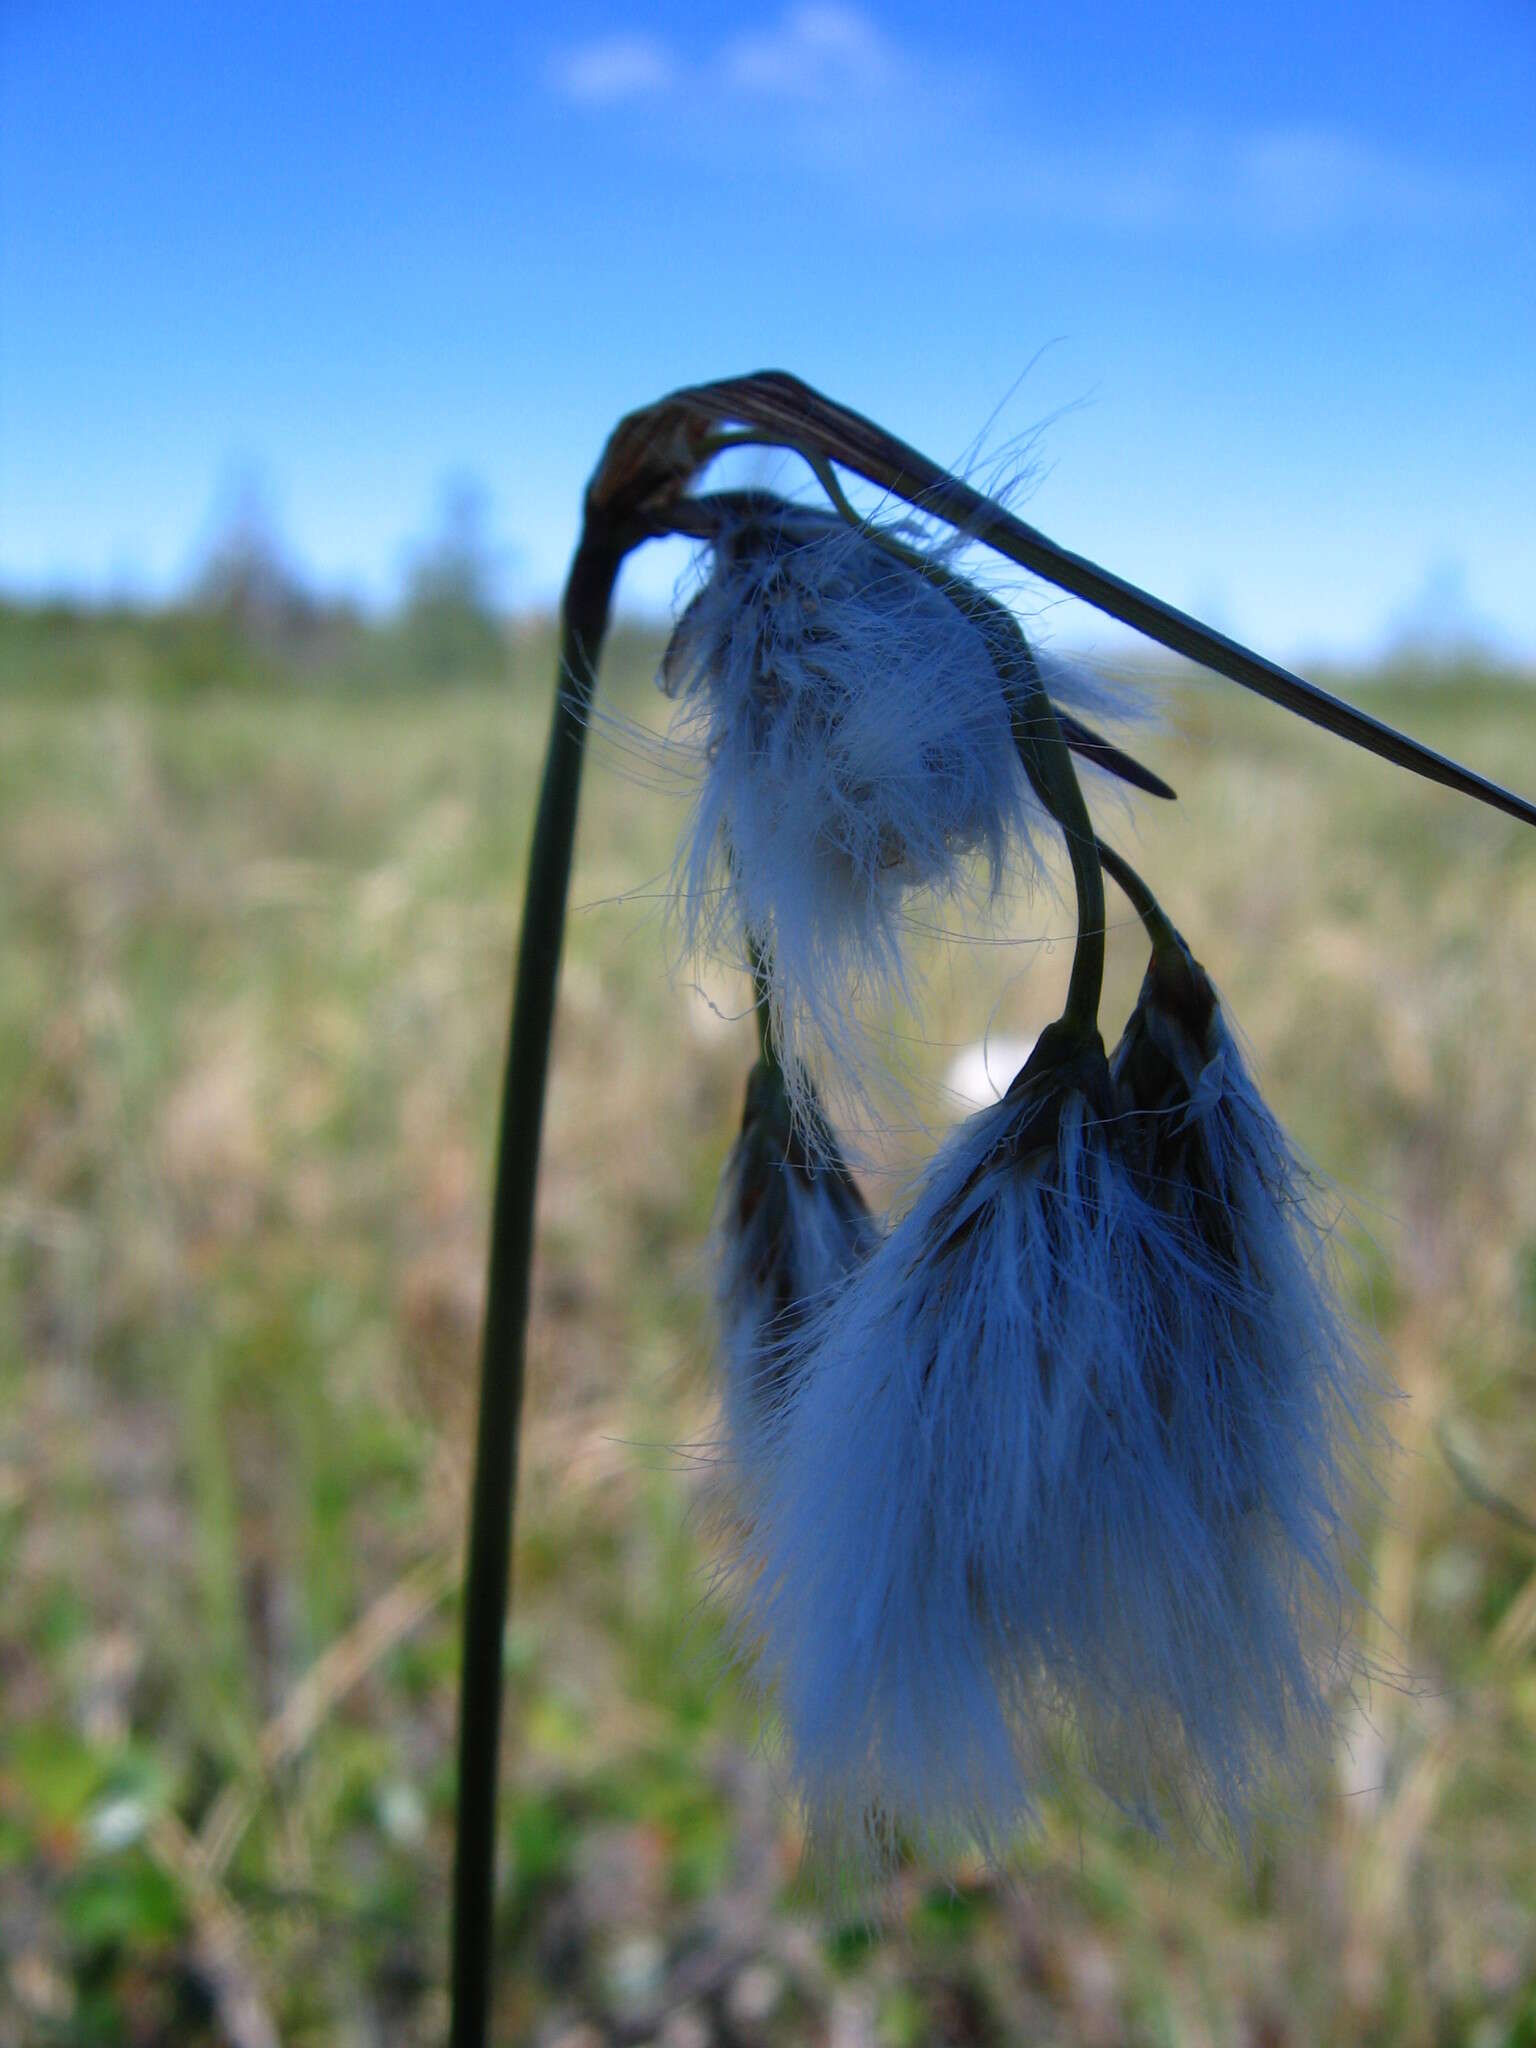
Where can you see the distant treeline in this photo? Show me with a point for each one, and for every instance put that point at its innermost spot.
(191, 646)
(250, 620)
(260, 636)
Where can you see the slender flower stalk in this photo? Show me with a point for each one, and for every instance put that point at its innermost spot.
(488, 1565)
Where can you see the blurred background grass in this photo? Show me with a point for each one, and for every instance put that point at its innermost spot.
(259, 878)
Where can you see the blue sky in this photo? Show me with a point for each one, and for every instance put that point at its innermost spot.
(1264, 282)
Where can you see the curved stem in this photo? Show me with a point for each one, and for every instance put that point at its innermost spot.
(788, 413)
(1159, 928)
(1048, 765)
(584, 619)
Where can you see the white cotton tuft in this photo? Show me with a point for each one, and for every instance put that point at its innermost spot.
(1270, 1404)
(1023, 1496)
(854, 746)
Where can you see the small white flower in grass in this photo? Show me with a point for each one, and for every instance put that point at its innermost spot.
(855, 746)
(1017, 1495)
(791, 1227)
(978, 1074)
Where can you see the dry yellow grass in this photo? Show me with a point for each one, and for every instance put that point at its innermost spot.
(251, 1016)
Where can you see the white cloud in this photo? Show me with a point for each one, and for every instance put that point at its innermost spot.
(614, 68)
(824, 89)
(1268, 182)
(1302, 179)
(812, 53)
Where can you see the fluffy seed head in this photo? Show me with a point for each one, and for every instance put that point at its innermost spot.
(855, 746)
(1058, 1468)
(1268, 1397)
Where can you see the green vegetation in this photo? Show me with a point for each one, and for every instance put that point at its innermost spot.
(257, 905)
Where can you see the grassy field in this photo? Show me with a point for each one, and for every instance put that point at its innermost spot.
(255, 968)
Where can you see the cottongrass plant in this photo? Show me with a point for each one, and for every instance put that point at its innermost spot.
(1063, 1458)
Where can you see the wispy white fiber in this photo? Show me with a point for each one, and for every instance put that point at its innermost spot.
(855, 746)
(1063, 1466)
(1267, 1386)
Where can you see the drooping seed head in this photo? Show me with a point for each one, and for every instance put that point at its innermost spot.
(1062, 1468)
(855, 746)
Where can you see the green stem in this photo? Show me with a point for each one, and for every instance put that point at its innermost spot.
(1165, 940)
(588, 593)
(1048, 765)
